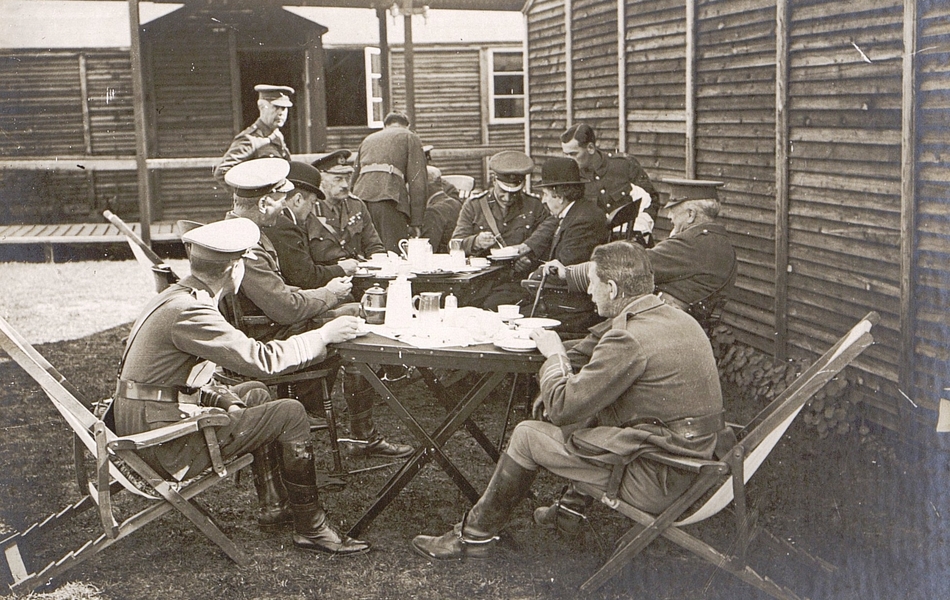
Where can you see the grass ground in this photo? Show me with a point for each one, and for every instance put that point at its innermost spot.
(877, 511)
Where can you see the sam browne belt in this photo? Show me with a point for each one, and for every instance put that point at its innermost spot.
(383, 168)
(688, 427)
(146, 391)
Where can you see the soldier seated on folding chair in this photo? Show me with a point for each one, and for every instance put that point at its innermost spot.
(260, 189)
(696, 266)
(580, 228)
(169, 344)
(644, 379)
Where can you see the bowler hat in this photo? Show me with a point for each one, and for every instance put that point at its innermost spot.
(560, 171)
(305, 177)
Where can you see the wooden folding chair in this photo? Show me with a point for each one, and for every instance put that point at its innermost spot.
(725, 480)
(94, 437)
(463, 183)
(620, 221)
(164, 275)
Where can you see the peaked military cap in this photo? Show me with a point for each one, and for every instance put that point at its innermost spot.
(258, 177)
(222, 240)
(682, 190)
(510, 168)
(278, 95)
(305, 177)
(336, 162)
(560, 170)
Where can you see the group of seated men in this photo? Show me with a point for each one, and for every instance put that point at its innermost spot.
(279, 267)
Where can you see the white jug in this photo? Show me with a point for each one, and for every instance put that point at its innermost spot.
(399, 303)
(415, 249)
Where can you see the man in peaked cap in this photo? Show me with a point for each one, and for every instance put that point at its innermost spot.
(581, 227)
(341, 230)
(288, 308)
(263, 138)
(697, 264)
(390, 177)
(506, 215)
(161, 373)
(613, 178)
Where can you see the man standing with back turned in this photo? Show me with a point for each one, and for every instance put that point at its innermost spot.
(391, 179)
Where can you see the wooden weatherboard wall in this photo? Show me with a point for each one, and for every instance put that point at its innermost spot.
(828, 123)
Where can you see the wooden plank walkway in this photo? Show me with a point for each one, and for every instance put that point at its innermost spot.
(79, 233)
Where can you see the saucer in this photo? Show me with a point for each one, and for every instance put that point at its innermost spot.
(516, 345)
(537, 323)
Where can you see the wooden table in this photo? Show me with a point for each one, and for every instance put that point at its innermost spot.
(492, 363)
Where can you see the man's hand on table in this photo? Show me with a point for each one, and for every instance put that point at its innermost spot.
(340, 286)
(342, 329)
(349, 265)
(549, 342)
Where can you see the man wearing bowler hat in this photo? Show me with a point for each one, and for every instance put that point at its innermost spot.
(161, 378)
(613, 178)
(506, 215)
(581, 227)
(289, 234)
(263, 139)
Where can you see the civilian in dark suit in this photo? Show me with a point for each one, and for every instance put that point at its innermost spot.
(581, 227)
(442, 213)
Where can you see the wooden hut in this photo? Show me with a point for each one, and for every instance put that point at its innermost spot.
(826, 120)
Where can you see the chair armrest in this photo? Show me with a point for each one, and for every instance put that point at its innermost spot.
(154, 437)
(686, 463)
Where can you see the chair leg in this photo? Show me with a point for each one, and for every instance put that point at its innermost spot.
(331, 428)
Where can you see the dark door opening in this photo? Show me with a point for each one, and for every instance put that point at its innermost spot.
(274, 68)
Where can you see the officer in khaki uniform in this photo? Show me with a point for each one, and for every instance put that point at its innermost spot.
(276, 310)
(263, 138)
(340, 228)
(166, 361)
(506, 215)
(613, 178)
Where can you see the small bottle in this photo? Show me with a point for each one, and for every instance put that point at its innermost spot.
(451, 303)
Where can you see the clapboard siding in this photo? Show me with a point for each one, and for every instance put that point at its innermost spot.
(546, 79)
(655, 38)
(40, 109)
(844, 177)
(192, 194)
(931, 284)
(109, 102)
(594, 33)
(735, 142)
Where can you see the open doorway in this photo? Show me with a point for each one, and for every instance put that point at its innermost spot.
(274, 68)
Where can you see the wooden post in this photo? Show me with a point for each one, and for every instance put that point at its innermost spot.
(781, 180)
(237, 119)
(908, 206)
(568, 64)
(384, 55)
(621, 76)
(407, 58)
(483, 95)
(141, 143)
(527, 88)
(690, 100)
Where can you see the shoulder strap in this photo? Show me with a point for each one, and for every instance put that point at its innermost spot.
(156, 303)
(483, 203)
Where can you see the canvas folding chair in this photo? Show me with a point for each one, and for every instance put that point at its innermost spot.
(144, 255)
(95, 438)
(723, 482)
(463, 183)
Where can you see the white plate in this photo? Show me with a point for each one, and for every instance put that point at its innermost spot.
(537, 323)
(504, 257)
(499, 253)
(516, 345)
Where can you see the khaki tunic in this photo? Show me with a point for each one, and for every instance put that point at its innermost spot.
(242, 149)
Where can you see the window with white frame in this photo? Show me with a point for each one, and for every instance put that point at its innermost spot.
(354, 90)
(506, 86)
(374, 87)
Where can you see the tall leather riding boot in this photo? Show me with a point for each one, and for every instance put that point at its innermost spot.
(476, 535)
(566, 514)
(366, 440)
(274, 511)
(312, 529)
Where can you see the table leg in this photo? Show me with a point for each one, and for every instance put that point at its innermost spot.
(442, 395)
(432, 445)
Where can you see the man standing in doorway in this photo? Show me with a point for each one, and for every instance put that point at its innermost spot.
(390, 178)
(263, 139)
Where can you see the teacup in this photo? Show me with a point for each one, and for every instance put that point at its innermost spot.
(509, 311)
(478, 261)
